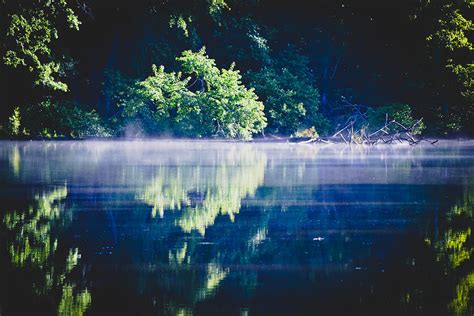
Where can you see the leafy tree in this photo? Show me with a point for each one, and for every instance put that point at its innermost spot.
(38, 44)
(33, 27)
(288, 91)
(450, 39)
(452, 33)
(207, 102)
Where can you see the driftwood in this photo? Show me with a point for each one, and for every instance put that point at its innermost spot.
(392, 132)
(354, 131)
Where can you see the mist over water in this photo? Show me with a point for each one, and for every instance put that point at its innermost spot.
(209, 227)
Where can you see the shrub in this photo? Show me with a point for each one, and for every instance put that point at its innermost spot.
(399, 112)
(52, 119)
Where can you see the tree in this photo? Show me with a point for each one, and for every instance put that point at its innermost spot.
(33, 27)
(207, 102)
(288, 91)
(451, 40)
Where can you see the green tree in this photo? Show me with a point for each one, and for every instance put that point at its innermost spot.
(207, 102)
(287, 88)
(451, 41)
(452, 32)
(32, 30)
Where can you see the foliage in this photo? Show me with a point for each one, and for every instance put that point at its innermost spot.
(453, 26)
(449, 122)
(308, 132)
(32, 29)
(73, 303)
(40, 49)
(216, 103)
(15, 122)
(52, 119)
(453, 33)
(76, 122)
(287, 89)
(217, 6)
(399, 112)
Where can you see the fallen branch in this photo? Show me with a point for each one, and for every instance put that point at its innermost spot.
(391, 132)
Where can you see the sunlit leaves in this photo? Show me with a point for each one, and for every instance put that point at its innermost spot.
(181, 23)
(30, 35)
(199, 64)
(454, 33)
(217, 6)
(74, 302)
(453, 29)
(201, 101)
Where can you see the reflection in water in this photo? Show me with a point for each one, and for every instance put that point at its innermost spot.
(35, 248)
(220, 228)
(455, 248)
(215, 274)
(15, 160)
(201, 192)
(463, 295)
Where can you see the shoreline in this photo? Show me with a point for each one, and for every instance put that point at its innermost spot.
(279, 140)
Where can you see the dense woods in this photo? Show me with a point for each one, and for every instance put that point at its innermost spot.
(232, 69)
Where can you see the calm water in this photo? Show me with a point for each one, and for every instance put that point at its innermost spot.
(182, 228)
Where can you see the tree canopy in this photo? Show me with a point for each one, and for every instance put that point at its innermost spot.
(200, 100)
(303, 60)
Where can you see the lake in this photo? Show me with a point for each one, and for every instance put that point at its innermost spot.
(222, 228)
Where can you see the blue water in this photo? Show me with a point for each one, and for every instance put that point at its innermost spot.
(204, 228)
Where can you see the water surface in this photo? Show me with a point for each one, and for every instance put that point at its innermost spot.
(182, 228)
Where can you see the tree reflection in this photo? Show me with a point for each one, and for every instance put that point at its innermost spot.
(191, 197)
(203, 192)
(189, 227)
(34, 248)
(454, 249)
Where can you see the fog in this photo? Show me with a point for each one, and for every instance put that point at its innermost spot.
(130, 163)
(198, 227)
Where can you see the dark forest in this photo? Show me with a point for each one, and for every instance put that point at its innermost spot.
(232, 69)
